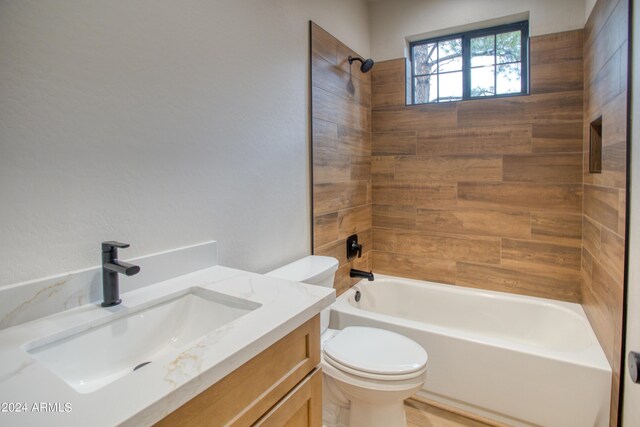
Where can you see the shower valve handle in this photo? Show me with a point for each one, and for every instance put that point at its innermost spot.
(356, 248)
(353, 248)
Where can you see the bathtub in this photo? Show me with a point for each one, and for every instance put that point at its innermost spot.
(515, 359)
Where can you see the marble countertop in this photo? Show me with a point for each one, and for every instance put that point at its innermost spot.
(31, 395)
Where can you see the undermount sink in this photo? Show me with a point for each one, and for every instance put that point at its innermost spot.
(103, 352)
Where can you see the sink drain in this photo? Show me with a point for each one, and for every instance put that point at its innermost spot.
(141, 365)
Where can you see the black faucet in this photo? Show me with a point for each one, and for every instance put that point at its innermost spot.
(360, 273)
(111, 267)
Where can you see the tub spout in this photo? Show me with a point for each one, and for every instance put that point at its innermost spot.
(360, 273)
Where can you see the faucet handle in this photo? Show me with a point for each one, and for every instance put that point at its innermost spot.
(353, 248)
(112, 244)
(356, 248)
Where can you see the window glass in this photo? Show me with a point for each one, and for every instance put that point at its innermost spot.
(509, 46)
(426, 89)
(482, 81)
(508, 79)
(450, 87)
(425, 58)
(450, 55)
(483, 51)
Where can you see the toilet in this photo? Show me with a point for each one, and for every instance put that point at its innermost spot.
(367, 372)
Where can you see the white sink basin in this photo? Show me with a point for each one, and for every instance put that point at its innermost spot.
(113, 348)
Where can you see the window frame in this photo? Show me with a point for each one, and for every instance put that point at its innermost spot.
(466, 36)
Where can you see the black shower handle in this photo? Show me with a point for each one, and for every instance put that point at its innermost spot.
(356, 248)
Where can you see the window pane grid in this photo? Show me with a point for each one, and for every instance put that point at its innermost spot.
(499, 63)
(445, 72)
(495, 60)
(454, 73)
(441, 84)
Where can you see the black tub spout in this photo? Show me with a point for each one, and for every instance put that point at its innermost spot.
(360, 273)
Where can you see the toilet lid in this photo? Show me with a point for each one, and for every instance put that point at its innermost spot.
(376, 351)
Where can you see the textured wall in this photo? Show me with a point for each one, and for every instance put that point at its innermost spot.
(159, 123)
(603, 214)
(483, 193)
(394, 22)
(341, 147)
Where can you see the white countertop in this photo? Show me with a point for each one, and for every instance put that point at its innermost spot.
(147, 395)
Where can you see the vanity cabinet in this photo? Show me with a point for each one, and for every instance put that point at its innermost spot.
(282, 386)
(302, 406)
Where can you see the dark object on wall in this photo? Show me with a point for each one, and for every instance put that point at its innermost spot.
(367, 64)
(363, 274)
(634, 366)
(353, 248)
(595, 146)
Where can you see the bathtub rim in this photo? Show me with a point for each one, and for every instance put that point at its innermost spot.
(593, 356)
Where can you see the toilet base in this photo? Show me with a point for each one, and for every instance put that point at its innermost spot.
(335, 406)
(363, 415)
(376, 415)
(350, 405)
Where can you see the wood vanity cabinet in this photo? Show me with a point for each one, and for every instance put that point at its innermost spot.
(282, 386)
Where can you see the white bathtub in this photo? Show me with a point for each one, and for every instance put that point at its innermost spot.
(516, 359)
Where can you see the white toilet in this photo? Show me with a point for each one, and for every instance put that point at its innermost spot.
(368, 372)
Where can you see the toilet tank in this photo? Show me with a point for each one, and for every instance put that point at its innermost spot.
(313, 270)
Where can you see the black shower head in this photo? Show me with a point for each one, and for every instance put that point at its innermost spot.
(367, 64)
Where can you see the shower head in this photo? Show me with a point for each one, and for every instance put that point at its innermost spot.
(367, 64)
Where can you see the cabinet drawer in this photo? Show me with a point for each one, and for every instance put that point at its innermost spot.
(243, 396)
(301, 407)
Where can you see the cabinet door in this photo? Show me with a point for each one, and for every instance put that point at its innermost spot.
(301, 407)
(243, 396)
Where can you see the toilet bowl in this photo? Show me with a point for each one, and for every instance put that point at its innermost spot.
(367, 372)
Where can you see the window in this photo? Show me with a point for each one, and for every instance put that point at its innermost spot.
(477, 64)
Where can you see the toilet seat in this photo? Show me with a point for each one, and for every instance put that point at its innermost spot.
(369, 375)
(375, 354)
(380, 385)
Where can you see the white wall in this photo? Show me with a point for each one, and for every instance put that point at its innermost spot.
(392, 21)
(160, 123)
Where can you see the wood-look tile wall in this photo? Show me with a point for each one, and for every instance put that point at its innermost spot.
(603, 216)
(483, 193)
(493, 194)
(341, 150)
